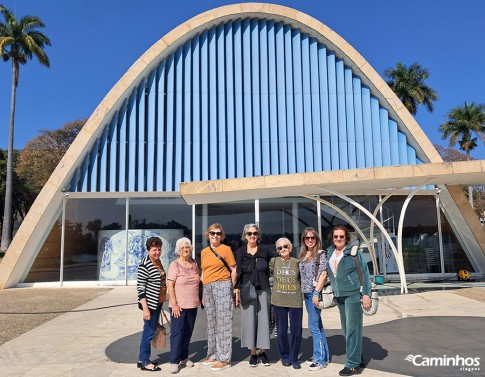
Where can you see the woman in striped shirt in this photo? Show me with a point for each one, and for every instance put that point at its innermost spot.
(152, 290)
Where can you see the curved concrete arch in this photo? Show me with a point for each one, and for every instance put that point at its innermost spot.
(354, 225)
(45, 209)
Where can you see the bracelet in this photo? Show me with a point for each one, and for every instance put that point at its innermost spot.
(316, 293)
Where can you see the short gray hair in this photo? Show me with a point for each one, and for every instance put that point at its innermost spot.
(246, 227)
(180, 242)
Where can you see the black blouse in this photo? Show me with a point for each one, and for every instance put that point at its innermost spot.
(253, 268)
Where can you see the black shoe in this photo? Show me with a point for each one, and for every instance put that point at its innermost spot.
(286, 363)
(253, 360)
(154, 369)
(263, 359)
(349, 371)
(362, 365)
(296, 365)
(138, 364)
(309, 361)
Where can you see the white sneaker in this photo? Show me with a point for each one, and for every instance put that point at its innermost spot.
(174, 368)
(315, 366)
(187, 363)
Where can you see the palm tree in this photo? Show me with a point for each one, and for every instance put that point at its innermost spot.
(463, 123)
(20, 41)
(409, 85)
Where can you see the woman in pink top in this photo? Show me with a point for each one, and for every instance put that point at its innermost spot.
(183, 289)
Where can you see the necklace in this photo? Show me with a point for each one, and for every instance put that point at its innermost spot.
(185, 264)
(252, 249)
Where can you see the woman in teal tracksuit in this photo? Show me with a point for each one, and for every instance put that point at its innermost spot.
(342, 272)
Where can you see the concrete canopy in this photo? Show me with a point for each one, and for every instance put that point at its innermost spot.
(367, 181)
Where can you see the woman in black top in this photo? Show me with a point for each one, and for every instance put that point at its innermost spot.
(252, 268)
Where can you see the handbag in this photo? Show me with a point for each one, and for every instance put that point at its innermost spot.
(326, 299)
(374, 293)
(247, 293)
(159, 339)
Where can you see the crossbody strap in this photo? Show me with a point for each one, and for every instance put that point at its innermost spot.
(163, 315)
(317, 263)
(353, 252)
(221, 259)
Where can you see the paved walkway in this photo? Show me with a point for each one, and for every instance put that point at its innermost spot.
(101, 338)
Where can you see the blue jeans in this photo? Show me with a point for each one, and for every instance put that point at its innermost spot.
(288, 350)
(321, 354)
(180, 333)
(147, 335)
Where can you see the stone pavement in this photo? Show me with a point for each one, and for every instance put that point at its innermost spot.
(101, 338)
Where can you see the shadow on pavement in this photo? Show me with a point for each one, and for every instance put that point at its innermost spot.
(385, 346)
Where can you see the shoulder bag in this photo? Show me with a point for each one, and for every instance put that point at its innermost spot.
(159, 339)
(326, 299)
(374, 294)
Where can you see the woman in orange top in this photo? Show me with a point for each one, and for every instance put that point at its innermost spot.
(218, 279)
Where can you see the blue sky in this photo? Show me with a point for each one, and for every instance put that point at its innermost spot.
(95, 42)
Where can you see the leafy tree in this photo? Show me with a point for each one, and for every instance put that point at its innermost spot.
(463, 123)
(409, 85)
(41, 154)
(450, 154)
(479, 202)
(20, 41)
(23, 197)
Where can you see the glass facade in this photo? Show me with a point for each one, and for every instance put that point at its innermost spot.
(86, 225)
(105, 238)
(47, 265)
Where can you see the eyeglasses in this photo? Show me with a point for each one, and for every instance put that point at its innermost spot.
(310, 238)
(338, 236)
(249, 234)
(279, 248)
(217, 234)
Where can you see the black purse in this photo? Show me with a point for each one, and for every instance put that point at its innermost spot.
(247, 293)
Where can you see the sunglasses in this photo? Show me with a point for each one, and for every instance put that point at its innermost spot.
(338, 236)
(279, 248)
(218, 234)
(310, 238)
(249, 234)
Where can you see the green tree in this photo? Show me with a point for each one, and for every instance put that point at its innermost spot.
(463, 123)
(409, 85)
(20, 41)
(23, 197)
(450, 154)
(40, 156)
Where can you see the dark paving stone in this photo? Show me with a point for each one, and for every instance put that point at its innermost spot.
(385, 345)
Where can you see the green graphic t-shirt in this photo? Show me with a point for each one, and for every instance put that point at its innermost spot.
(286, 287)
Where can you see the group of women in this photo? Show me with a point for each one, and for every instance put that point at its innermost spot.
(227, 278)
